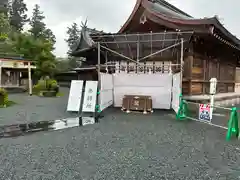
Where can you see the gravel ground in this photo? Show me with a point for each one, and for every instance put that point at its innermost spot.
(121, 146)
(34, 108)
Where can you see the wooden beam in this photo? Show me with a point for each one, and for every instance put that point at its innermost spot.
(190, 58)
(29, 78)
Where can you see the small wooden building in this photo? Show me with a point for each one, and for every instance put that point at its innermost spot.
(210, 50)
(15, 72)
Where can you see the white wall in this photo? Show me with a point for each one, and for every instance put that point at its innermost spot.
(158, 86)
(106, 93)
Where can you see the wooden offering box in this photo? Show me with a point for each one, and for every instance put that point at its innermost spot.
(137, 103)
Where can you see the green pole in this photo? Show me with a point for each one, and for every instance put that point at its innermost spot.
(233, 128)
(98, 106)
(181, 114)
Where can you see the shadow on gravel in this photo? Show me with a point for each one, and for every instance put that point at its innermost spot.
(15, 130)
(29, 128)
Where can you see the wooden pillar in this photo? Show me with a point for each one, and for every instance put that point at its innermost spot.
(205, 76)
(99, 59)
(29, 79)
(190, 74)
(138, 54)
(182, 65)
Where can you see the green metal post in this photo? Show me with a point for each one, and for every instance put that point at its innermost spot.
(233, 128)
(182, 110)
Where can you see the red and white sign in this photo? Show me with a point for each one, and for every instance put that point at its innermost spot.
(204, 112)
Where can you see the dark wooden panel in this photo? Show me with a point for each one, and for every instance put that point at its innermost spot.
(187, 67)
(222, 69)
(198, 62)
(221, 87)
(206, 87)
(213, 69)
(197, 73)
(185, 88)
(197, 88)
(231, 72)
(230, 88)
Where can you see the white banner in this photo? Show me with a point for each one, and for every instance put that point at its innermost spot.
(158, 86)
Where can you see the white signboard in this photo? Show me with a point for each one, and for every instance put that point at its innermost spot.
(176, 91)
(75, 96)
(213, 85)
(88, 120)
(90, 96)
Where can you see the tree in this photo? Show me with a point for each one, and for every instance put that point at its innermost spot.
(4, 26)
(5, 29)
(36, 45)
(73, 33)
(18, 16)
(42, 44)
(38, 27)
(48, 34)
(37, 50)
(62, 64)
(4, 6)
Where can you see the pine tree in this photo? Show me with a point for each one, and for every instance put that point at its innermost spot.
(38, 27)
(73, 33)
(48, 34)
(36, 22)
(18, 16)
(4, 6)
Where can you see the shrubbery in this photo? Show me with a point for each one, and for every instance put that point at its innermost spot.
(3, 97)
(46, 85)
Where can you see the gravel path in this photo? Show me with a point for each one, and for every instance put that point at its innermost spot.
(34, 108)
(123, 147)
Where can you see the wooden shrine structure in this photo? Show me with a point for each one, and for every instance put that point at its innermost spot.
(16, 73)
(158, 37)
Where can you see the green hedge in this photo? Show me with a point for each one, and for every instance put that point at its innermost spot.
(45, 85)
(4, 97)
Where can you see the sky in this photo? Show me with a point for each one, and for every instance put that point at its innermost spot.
(110, 15)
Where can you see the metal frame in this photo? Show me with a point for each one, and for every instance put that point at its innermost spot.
(138, 41)
(99, 46)
(179, 41)
(103, 45)
(208, 122)
(134, 34)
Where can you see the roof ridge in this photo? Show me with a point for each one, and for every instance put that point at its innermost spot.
(170, 6)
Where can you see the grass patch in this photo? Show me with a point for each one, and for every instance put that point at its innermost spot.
(9, 104)
(60, 94)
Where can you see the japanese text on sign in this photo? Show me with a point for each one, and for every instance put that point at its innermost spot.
(89, 99)
(90, 96)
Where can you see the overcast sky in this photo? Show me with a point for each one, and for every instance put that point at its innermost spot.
(109, 15)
